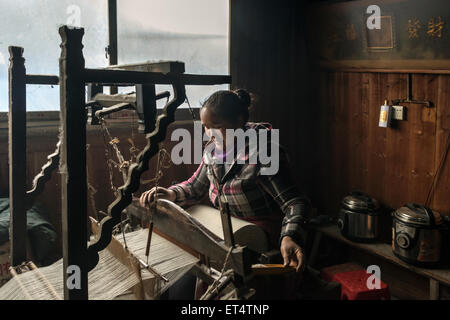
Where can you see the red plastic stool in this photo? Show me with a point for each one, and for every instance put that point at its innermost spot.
(354, 286)
(353, 278)
(329, 273)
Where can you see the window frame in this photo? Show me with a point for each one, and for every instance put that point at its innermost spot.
(183, 114)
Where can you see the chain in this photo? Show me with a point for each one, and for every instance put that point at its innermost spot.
(133, 150)
(190, 109)
(107, 157)
(122, 165)
(113, 142)
(91, 190)
(164, 162)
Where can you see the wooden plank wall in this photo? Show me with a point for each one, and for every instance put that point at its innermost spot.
(395, 165)
(329, 120)
(268, 58)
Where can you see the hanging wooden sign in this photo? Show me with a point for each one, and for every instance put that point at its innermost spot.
(408, 35)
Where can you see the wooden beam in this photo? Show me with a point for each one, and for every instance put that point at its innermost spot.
(226, 225)
(180, 226)
(40, 79)
(130, 78)
(17, 156)
(434, 289)
(73, 161)
(107, 100)
(112, 36)
(162, 66)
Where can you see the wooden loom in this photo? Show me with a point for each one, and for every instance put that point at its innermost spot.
(73, 76)
(180, 229)
(20, 199)
(21, 202)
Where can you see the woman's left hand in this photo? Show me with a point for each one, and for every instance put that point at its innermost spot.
(292, 253)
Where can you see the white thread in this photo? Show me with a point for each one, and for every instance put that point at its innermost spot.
(110, 278)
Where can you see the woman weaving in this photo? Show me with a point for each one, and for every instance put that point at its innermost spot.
(270, 201)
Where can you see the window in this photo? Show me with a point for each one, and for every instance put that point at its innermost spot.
(194, 32)
(34, 25)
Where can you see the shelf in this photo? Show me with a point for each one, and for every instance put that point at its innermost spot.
(385, 251)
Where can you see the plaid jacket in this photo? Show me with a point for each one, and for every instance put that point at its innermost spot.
(250, 195)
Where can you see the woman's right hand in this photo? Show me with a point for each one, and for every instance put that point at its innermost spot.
(163, 193)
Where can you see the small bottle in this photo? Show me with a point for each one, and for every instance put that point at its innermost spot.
(385, 115)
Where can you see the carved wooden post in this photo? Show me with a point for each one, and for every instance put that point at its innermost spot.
(124, 196)
(17, 156)
(73, 164)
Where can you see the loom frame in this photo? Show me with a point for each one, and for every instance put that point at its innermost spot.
(20, 198)
(73, 77)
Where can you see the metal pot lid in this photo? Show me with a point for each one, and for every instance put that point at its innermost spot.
(360, 201)
(414, 213)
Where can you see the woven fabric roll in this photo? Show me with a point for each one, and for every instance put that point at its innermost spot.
(245, 233)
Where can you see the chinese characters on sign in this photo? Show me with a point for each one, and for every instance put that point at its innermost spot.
(406, 35)
(435, 28)
(413, 28)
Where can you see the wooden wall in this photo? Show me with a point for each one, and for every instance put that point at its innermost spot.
(268, 58)
(395, 165)
(42, 141)
(329, 120)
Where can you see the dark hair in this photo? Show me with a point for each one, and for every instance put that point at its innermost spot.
(229, 105)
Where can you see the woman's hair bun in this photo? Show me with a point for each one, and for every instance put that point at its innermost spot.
(244, 97)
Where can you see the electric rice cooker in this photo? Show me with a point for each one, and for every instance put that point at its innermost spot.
(359, 217)
(420, 235)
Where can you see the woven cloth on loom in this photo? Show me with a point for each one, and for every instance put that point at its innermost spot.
(110, 278)
(165, 257)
